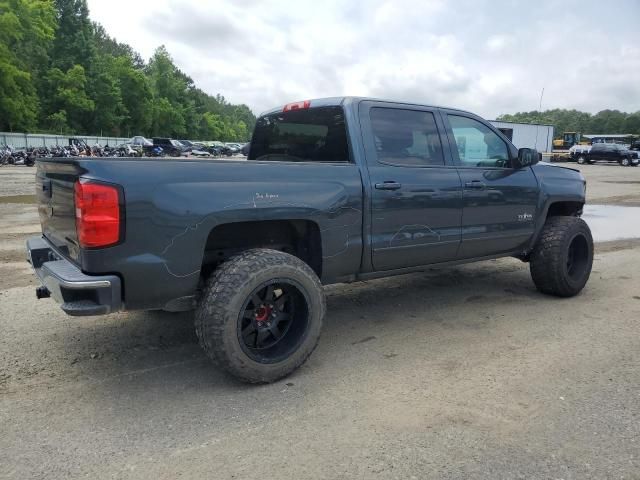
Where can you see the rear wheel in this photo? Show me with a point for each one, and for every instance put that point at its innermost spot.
(261, 314)
(561, 261)
(582, 160)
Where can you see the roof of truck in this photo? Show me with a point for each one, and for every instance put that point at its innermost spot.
(336, 101)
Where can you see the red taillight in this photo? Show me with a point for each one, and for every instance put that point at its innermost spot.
(97, 214)
(296, 106)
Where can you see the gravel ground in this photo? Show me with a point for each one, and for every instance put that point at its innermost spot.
(467, 372)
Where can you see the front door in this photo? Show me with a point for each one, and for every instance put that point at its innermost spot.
(500, 201)
(416, 195)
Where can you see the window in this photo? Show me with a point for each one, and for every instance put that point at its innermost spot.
(478, 145)
(305, 135)
(508, 132)
(406, 137)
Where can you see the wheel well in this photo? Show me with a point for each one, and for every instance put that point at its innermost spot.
(572, 209)
(297, 237)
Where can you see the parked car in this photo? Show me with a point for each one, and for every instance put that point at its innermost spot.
(233, 147)
(189, 146)
(608, 152)
(219, 149)
(140, 141)
(334, 190)
(169, 146)
(127, 150)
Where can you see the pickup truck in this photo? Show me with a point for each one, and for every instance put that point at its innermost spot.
(608, 152)
(333, 190)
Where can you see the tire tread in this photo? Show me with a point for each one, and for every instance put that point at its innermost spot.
(547, 258)
(213, 311)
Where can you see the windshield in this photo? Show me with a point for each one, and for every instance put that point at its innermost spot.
(308, 135)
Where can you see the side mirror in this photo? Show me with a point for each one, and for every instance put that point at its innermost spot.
(527, 157)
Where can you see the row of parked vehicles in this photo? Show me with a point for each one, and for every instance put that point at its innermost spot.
(11, 156)
(138, 146)
(160, 146)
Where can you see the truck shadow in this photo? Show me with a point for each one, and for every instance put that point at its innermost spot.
(159, 351)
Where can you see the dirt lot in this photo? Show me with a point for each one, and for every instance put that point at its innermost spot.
(460, 373)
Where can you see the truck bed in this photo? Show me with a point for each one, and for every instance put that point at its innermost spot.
(171, 206)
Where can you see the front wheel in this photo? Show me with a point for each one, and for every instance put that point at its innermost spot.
(582, 160)
(625, 162)
(563, 256)
(261, 315)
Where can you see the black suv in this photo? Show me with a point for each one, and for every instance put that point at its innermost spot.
(609, 152)
(169, 146)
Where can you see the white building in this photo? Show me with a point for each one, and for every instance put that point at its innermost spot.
(527, 135)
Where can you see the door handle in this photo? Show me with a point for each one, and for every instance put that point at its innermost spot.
(476, 184)
(388, 185)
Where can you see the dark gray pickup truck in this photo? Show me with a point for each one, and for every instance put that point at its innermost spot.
(334, 190)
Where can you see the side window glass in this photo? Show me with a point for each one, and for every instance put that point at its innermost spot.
(478, 145)
(406, 137)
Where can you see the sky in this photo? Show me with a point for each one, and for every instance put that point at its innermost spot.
(489, 57)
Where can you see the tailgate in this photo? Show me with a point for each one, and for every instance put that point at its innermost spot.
(55, 180)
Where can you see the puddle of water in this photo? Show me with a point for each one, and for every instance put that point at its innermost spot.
(612, 222)
(18, 199)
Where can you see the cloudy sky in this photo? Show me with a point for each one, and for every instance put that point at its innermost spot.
(489, 57)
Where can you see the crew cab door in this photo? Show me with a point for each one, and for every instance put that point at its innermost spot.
(499, 201)
(599, 152)
(415, 190)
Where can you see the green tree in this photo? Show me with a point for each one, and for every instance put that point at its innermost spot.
(26, 31)
(57, 122)
(632, 123)
(110, 110)
(166, 80)
(61, 72)
(605, 121)
(211, 126)
(167, 120)
(74, 42)
(105, 45)
(69, 96)
(136, 97)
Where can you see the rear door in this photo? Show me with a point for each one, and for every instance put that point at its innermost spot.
(599, 152)
(499, 201)
(416, 196)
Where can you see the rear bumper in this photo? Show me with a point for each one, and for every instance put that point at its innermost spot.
(78, 294)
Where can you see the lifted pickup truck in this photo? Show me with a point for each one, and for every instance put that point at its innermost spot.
(334, 190)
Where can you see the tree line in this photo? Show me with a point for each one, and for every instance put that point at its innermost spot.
(605, 121)
(62, 73)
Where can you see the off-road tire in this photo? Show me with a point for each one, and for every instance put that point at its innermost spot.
(549, 261)
(222, 303)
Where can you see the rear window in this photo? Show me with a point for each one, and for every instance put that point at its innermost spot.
(308, 135)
